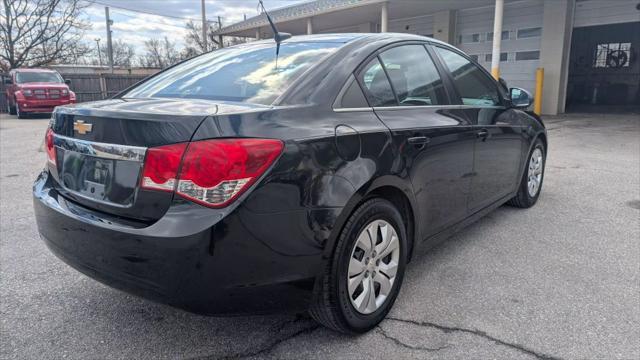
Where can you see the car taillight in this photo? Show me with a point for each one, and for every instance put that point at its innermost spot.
(50, 147)
(213, 172)
(161, 165)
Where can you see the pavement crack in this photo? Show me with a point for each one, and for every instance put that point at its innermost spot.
(385, 334)
(451, 329)
(274, 342)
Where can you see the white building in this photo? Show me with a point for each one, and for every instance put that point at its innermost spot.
(589, 49)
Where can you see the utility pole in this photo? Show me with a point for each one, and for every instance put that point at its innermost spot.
(204, 28)
(497, 39)
(220, 36)
(99, 52)
(109, 46)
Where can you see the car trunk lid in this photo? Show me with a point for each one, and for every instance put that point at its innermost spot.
(101, 147)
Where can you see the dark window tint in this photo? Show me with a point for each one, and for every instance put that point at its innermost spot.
(31, 77)
(240, 73)
(353, 96)
(376, 85)
(473, 85)
(413, 75)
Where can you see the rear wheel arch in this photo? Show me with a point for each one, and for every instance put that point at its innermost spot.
(390, 188)
(401, 201)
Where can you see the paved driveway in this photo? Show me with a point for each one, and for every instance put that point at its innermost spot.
(561, 280)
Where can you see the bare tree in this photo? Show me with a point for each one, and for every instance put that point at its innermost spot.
(159, 53)
(40, 32)
(193, 39)
(123, 54)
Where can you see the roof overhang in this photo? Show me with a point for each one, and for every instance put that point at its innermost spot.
(341, 15)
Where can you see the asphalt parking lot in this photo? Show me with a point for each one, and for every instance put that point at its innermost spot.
(558, 281)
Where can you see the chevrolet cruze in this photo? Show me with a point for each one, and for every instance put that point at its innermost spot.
(244, 181)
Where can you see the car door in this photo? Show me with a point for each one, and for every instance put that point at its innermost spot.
(499, 139)
(434, 139)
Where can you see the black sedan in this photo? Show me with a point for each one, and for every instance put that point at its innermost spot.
(240, 181)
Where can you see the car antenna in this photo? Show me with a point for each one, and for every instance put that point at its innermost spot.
(277, 36)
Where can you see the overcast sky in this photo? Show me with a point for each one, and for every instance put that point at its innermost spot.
(136, 27)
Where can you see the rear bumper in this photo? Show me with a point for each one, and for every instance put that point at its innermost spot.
(187, 260)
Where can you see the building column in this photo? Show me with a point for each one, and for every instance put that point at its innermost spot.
(444, 26)
(555, 45)
(309, 26)
(384, 17)
(497, 39)
(258, 34)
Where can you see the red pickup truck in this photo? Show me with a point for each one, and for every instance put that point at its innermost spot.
(36, 91)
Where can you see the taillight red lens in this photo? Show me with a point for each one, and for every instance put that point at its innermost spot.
(161, 165)
(215, 172)
(51, 149)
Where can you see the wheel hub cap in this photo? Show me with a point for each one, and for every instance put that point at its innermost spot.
(534, 178)
(373, 266)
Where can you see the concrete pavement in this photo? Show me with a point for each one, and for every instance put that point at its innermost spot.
(558, 281)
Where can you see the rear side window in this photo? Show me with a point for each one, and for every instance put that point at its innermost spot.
(352, 96)
(376, 85)
(473, 85)
(413, 75)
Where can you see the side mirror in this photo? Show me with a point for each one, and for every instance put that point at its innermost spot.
(8, 81)
(67, 81)
(520, 98)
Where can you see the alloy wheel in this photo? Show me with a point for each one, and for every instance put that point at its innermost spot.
(373, 266)
(536, 164)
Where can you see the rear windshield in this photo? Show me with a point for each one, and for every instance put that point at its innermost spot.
(244, 73)
(30, 77)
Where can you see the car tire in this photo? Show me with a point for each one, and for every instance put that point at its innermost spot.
(334, 304)
(534, 172)
(20, 114)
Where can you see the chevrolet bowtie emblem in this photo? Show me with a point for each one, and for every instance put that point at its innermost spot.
(81, 127)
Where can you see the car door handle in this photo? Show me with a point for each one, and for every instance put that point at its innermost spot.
(483, 134)
(418, 140)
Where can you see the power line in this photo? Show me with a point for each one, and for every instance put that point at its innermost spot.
(142, 11)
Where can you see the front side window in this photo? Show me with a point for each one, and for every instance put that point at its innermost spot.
(413, 75)
(473, 85)
(244, 73)
(35, 77)
(376, 85)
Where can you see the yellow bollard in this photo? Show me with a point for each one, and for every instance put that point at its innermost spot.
(537, 100)
(495, 72)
